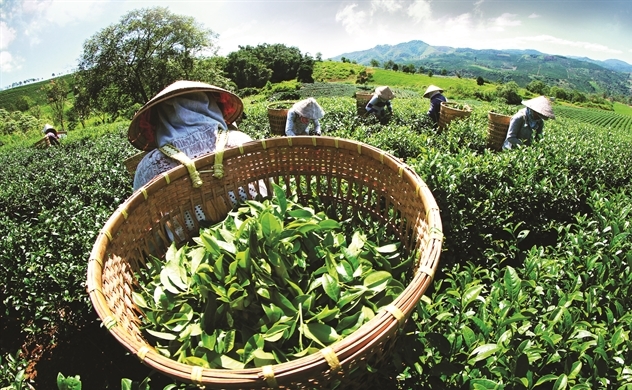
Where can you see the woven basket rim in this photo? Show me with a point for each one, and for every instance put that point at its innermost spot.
(450, 105)
(285, 105)
(496, 114)
(347, 349)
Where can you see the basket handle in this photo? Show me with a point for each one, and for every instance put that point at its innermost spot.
(174, 153)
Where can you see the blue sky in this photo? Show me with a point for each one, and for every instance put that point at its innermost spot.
(42, 37)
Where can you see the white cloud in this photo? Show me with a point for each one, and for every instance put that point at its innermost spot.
(7, 35)
(594, 47)
(534, 16)
(351, 19)
(61, 14)
(420, 10)
(389, 5)
(458, 26)
(503, 21)
(8, 63)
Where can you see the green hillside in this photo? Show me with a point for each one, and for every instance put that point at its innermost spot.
(521, 66)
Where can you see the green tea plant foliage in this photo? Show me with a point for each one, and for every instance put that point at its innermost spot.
(273, 282)
(53, 202)
(559, 320)
(601, 118)
(534, 285)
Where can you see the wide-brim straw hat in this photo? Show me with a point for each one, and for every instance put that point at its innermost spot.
(431, 89)
(47, 127)
(142, 137)
(541, 105)
(384, 93)
(309, 108)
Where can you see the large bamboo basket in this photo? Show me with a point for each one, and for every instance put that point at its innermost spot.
(132, 162)
(449, 112)
(277, 115)
(362, 99)
(497, 130)
(351, 176)
(44, 142)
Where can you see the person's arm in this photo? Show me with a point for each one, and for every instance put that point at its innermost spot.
(388, 106)
(370, 105)
(435, 106)
(539, 131)
(516, 123)
(316, 127)
(289, 124)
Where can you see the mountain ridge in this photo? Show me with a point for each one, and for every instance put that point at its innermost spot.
(611, 77)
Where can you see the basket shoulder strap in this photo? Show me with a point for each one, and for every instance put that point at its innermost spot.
(174, 153)
(220, 144)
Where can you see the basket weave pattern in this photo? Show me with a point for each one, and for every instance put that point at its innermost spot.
(44, 142)
(447, 114)
(131, 163)
(362, 99)
(277, 115)
(348, 175)
(497, 130)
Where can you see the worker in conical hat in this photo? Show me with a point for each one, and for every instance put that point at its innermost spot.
(380, 103)
(527, 124)
(191, 117)
(435, 94)
(303, 117)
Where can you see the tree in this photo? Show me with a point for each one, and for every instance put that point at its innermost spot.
(444, 72)
(389, 64)
(480, 80)
(56, 92)
(395, 67)
(375, 63)
(558, 93)
(246, 70)
(23, 103)
(138, 57)
(430, 73)
(364, 77)
(305, 70)
(282, 62)
(509, 92)
(538, 87)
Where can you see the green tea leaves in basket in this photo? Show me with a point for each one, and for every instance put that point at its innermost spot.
(273, 281)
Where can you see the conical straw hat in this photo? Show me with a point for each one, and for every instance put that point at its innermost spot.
(309, 108)
(431, 89)
(541, 105)
(142, 137)
(384, 92)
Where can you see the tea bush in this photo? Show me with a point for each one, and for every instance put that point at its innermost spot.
(534, 285)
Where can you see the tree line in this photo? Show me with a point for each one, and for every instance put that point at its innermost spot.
(125, 64)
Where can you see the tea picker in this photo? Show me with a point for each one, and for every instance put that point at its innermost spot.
(303, 118)
(435, 94)
(528, 123)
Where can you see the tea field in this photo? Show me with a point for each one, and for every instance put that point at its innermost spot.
(535, 274)
(600, 118)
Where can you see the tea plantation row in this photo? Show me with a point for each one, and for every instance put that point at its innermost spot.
(535, 274)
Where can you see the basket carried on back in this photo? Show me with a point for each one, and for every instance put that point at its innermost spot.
(450, 112)
(362, 99)
(497, 130)
(352, 177)
(132, 162)
(45, 141)
(277, 115)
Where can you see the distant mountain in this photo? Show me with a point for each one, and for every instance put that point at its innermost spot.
(616, 65)
(521, 66)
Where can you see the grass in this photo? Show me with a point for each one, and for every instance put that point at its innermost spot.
(622, 109)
